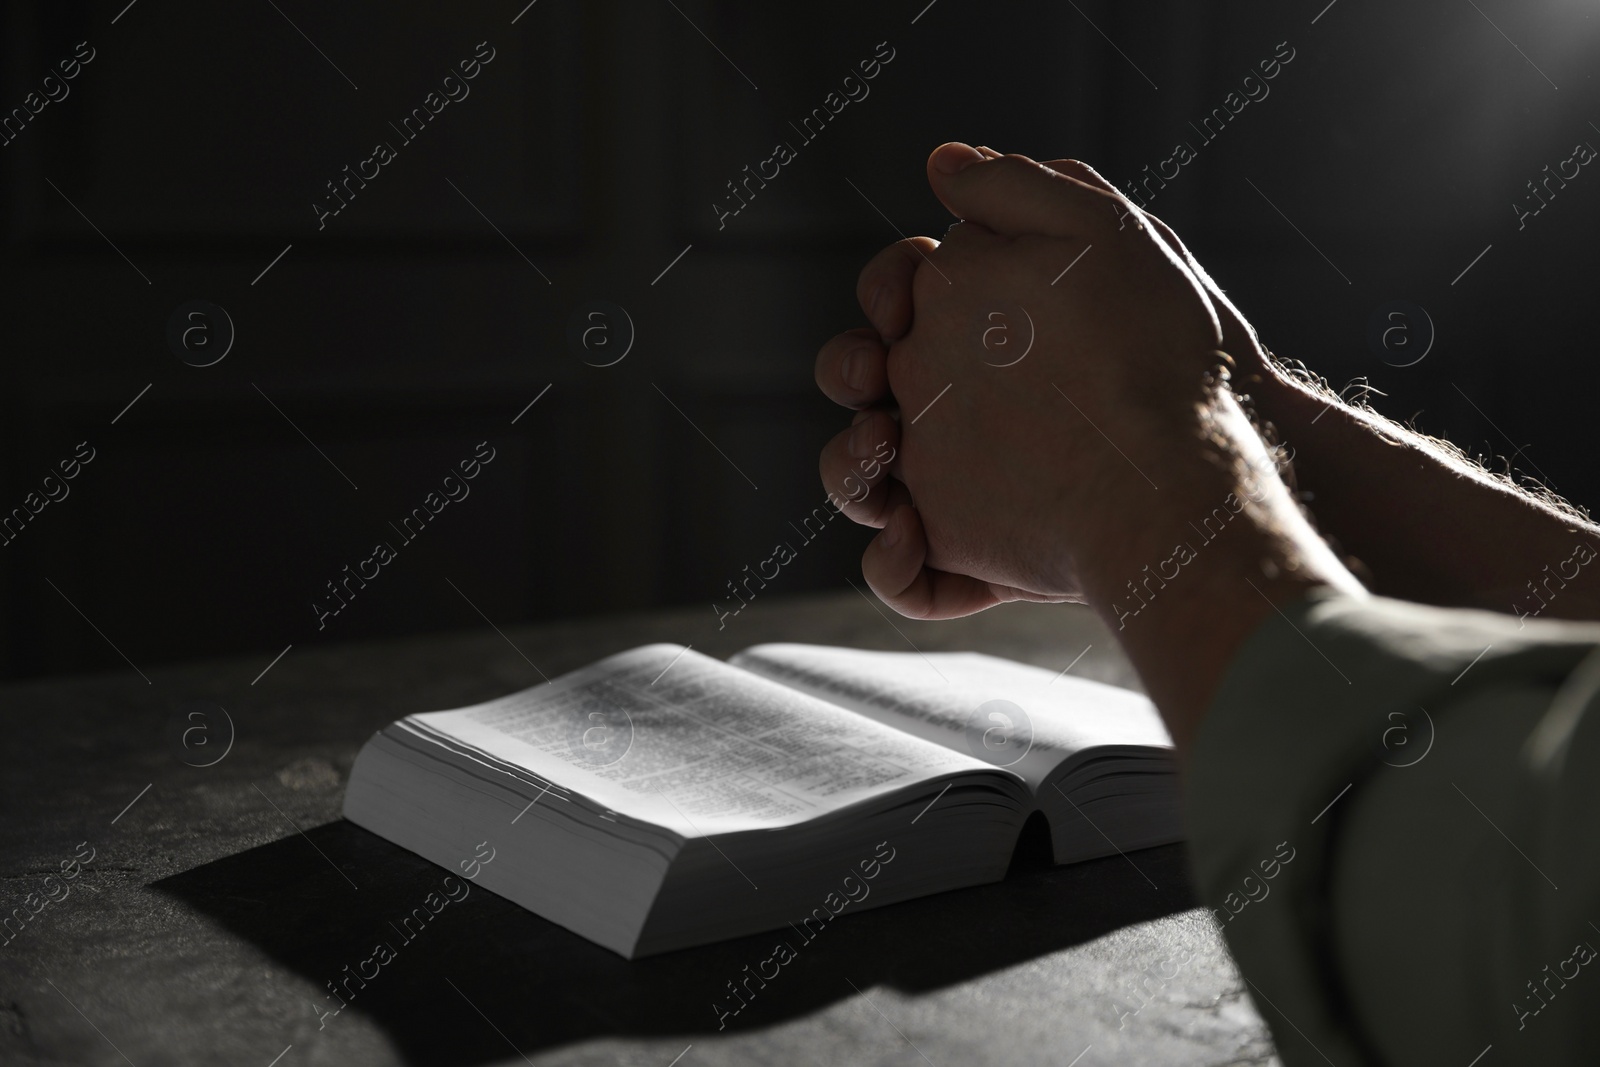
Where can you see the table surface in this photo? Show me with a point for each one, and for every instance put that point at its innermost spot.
(220, 900)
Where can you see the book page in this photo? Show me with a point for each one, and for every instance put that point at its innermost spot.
(1004, 713)
(673, 737)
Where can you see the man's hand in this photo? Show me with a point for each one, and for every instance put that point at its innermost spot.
(1015, 387)
(1072, 454)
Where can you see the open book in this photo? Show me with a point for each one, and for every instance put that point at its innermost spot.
(660, 798)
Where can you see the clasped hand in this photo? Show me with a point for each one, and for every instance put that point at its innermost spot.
(1057, 366)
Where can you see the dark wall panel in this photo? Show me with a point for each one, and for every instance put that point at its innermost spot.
(590, 161)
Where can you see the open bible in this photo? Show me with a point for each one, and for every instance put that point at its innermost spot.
(660, 799)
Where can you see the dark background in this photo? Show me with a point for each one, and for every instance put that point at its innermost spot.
(597, 140)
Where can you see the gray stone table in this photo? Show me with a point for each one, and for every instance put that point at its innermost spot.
(220, 899)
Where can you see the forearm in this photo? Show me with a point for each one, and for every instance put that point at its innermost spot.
(1186, 574)
(1428, 525)
(1306, 726)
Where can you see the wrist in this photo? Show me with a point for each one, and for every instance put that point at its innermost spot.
(1177, 470)
(1279, 396)
(1185, 578)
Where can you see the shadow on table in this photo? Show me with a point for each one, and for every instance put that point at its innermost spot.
(543, 987)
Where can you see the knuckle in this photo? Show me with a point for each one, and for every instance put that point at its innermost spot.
(926, 282)
(870, 271)
(826, 367)
(825, 356)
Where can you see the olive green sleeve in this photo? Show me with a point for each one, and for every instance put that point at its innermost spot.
(1393, 815)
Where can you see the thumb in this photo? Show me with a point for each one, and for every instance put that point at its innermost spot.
(1013, 195)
